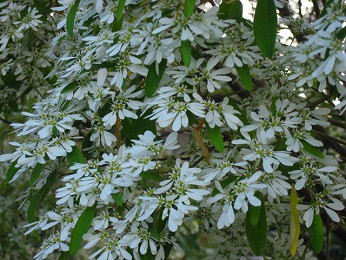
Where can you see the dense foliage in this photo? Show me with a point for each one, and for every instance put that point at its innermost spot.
(154, 122)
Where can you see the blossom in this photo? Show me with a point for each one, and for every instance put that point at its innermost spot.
(121, 105)
(260, 150)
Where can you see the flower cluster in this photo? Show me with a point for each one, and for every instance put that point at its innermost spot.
(151, 124)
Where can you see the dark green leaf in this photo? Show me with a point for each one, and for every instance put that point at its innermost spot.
(76, 156)
(118, 198)
(245, 76)
(312, 149)
(254, 213)
(36, 173)
(151, 175)
(316, 234)
(120, 10)
(65, 256)
(40, 195)
(273, 106)
(341, 34)
(215, 135)
(265, 26)
(82, 226)
(257, 234)
(153, 80)
(189, 7)
(325, 7)
(70, 87)
(232, 10)
(71, 18)
(134, 127)
(11, 172)
(185, 50)
(158, 224)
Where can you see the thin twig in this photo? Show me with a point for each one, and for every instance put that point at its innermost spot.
(316, 8)
(5, 121)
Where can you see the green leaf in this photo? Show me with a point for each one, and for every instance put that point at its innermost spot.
(265, 26)
(11, 172)
(69, 87)
(273, 106)
(254, 213)
(316, 234)
(151, 175)
(245, 76)
(294, 222)
(257, 234)
(71, 18)
(325, 7)
(75, 156)
(189, 7)
(65, 256)
(185, 50)
(118, 198)
(36, 173)
(40, 195)
(120, 9)
(341, 34)
(119, 15)
(215, 135)
(131, 128)
(82, 226)
(153, 80)
(232, 10)
(312, 149)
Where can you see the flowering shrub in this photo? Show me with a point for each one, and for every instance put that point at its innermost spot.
(166, 112)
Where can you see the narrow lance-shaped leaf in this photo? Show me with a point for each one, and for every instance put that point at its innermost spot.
(119, 15)
(36, 173)
(153, 80)
(245, 76)
(11, 172)
(189, 7)
(257, 234)
(185, 50)
(316, 234)
(232, 10)
(265, 26)
(151, 175)
(325, 7)
(312, 149)
(215, 135)
(71, 17)
(118, 198)
(40, 195)
(75, 156)
(294, 222)
(255, 212)
(82, 226)
(185, 47)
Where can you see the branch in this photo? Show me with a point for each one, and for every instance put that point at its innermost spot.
(5, 121)
(336, 123)
(316, 8)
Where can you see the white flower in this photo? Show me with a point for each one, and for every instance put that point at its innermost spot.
(180, 180)
(121, 105)
(259, 149)
(170, 111)
(197, 74)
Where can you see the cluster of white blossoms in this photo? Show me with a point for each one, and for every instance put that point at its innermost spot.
(25, 35)
(151, 124)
